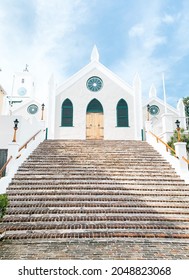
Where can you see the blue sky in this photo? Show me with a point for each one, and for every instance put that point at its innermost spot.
(57, 36)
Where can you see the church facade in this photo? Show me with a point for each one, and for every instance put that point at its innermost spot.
(95, 104)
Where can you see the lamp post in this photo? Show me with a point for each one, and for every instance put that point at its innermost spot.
(15, 129)
(42, 111)
(148, 112)
(178, 129)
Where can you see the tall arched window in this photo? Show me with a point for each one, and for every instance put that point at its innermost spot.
(122, 114)
(67, 113)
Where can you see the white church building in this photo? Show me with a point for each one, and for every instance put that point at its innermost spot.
(96, 104)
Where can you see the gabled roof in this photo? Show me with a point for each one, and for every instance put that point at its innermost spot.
(94, 64)
(25, 104)
(160, 101)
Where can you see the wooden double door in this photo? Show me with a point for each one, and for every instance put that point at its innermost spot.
(95, 126)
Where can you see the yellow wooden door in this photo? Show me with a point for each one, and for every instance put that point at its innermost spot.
(94, 126)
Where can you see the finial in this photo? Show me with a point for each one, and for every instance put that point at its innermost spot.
(26, 69)
(152, 92)
(95, 54)
(136, 79)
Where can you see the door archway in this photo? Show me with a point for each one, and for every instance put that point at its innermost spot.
(94, 121)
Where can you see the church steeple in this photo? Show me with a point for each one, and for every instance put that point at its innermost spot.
(95, 54)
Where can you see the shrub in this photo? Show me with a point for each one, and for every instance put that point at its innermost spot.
(183, 138)
(3, 204)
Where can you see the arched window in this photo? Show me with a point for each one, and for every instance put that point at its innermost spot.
(94, 107)
(67, 113)
(122, 114)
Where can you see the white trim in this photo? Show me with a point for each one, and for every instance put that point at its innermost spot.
(87, 69)
(157, 99)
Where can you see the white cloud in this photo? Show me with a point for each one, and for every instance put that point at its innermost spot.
(136, 30)
(152, 42)
(144, 51)
(168, 19)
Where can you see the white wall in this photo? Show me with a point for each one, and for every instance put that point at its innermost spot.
(24, 132)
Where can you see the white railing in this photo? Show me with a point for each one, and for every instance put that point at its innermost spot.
(17, 154)
(179, 161)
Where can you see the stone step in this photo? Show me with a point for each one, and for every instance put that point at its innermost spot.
(84, 166)
(97, 225)
(101, 177)
(120, 187)
(92, 194)
(130, 173)
(105, 160)
(107, 155)
(96, 180)
(138, 192)
(98, 203)
(58, 184)
(98, 235)
(126, 213)
(95, 234)
(103, 186)
(99, 171)
(98, 217)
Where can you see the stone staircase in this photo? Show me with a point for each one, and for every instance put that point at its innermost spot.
(96, 189)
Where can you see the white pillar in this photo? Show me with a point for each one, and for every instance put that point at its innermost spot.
(51, 109)
(167, 125)
(43, 127)
(180, 148)
(182, 115)
(138, 106)
(148, 127)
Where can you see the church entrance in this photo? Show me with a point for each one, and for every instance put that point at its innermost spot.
(94, 121)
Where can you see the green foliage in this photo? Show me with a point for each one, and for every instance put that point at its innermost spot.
(183, 138)
(186, 104)
(3, 204)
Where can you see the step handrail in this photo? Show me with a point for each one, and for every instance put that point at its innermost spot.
(27, 142)
(185, 159)
(165, 144)
(4, 166)
(22, 147)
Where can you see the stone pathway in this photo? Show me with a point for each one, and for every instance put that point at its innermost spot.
(130, 249)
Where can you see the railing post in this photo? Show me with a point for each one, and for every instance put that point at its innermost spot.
(167, 124)
(148, 128)
(180, 148)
